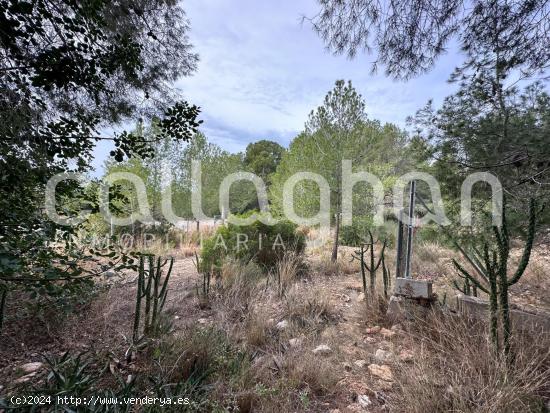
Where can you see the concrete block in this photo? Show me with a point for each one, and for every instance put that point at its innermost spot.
(406, 308)
(413, 288)
(522, 318)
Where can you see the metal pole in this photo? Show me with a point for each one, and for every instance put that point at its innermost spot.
(410, 230)
(398, 263)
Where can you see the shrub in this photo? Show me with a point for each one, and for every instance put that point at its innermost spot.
(354, 235)
(357, 233)
(258, 242)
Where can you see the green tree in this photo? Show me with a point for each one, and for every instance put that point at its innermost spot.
(338, 130)
(262, 158)
(408, 38)
(68, 68)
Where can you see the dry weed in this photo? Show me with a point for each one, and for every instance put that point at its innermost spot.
(456, 370)
(308, 308)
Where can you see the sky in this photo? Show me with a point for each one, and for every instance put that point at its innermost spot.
(262, 70)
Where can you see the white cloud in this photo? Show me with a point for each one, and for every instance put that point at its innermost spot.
(261, 72)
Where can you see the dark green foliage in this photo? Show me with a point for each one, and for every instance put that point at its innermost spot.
(262, 157)
(354, 235)
(209, 356)
(408, 40)
(491, 274)
(258, 242)
(152, 290)
(68, 68)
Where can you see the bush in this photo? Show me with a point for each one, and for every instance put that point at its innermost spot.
(357, 233)
(258, 242)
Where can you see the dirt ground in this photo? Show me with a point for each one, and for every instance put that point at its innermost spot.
(363, 349)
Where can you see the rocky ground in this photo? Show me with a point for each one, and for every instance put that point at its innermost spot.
(345, 354)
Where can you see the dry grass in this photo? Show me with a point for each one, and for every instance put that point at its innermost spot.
(306, 369)
(456, 370)
(287, 271)
(257, 329)
(308, 307)
(238, 287)
(324, 267)
(431, 260)
(373, 311)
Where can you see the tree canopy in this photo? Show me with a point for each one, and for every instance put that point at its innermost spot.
(408, 37)
(69, 68)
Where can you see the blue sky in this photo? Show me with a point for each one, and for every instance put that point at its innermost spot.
(262, 71)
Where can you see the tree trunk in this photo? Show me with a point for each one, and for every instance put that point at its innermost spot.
(334, 256)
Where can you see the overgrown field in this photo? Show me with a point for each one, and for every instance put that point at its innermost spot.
(302, 337)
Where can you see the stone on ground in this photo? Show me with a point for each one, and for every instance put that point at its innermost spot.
(322, 350)
(383, 355)
(381, 371)
(31, 367)
(281, 325)
(364, 401)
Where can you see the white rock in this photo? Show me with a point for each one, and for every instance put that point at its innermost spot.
(360, 363)
(25, 378)
(361, 297)
(31, 367)
(383, 355)
(202, 321)
(322, 349)
(281, 325)
(295, 342)
(364, 401)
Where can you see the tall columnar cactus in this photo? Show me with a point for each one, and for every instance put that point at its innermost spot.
(467, 287)
(206, 277)
(492, 277)
(386, 275)
(373, 265)
(3, 294)
(152, 290)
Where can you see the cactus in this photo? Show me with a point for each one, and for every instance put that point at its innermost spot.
(467, 287)
(360, 256)
(3, 294)
(373, 265)
(386, 275)
(152, 289)
(492, 274)
(206, 276)
(372, 268)
(203, 293)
